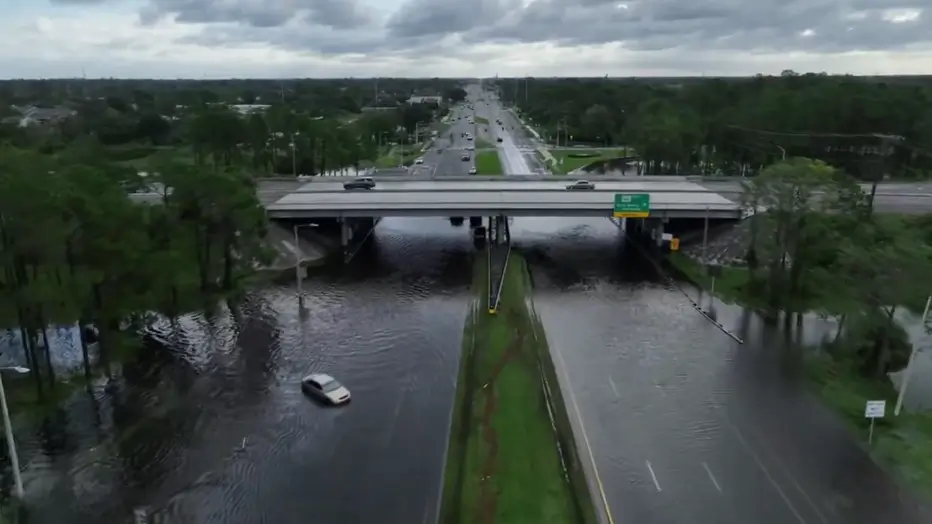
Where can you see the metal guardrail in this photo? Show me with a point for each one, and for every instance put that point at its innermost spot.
(495, 291)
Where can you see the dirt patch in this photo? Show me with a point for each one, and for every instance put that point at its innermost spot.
(488, 497)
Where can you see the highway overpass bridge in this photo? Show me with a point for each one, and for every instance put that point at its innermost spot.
(891, 197)
(477, 196)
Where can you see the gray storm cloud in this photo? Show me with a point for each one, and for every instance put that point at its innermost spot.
(419, 26)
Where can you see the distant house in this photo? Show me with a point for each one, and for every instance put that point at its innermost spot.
(40, 115)
(249, 109)
(426, 100)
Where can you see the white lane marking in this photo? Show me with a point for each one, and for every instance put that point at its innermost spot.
(614, 388)
(582, 428)
(712, 477)
(763, 468)
(790, 476)
(653, 476)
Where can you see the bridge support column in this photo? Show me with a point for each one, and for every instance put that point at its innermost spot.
(498, 229)
(346, 232)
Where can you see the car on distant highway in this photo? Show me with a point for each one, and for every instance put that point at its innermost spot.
(326, 388)
(360, 183)
(580, 185)
(419, 161)
(499, 139)
(472, 171)
(465, 158)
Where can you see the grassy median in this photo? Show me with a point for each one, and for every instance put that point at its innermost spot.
(575, 158)
(504, 465)
(488, 163)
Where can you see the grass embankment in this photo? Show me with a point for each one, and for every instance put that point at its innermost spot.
(729, 285)
(571, 159)
(488, 163)
(481, 120)
(482, 143)
(902, 445)
(503, 464)
(396, 156)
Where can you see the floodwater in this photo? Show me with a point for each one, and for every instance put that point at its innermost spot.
(219, 431)
(683, 424)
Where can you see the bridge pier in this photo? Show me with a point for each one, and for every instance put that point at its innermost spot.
(498, 230)
(354, 232)
(648, 232)
(346, 232)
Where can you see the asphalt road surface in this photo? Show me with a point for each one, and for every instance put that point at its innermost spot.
(891, 197)
(447, 154)
(744, 461)
(517, 149)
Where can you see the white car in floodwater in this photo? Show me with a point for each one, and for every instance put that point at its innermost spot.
(326, 388)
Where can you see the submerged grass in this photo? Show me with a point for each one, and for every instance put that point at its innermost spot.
(902, 444)
(729, 285)
(503, 464)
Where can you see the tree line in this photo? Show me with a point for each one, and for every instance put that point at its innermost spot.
(75, 249)
(303, 128)
(869, 127)
(820, 247)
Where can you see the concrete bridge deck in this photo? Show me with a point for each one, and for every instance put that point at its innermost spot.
(375, 203)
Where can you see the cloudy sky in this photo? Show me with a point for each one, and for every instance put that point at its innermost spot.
(461, 38)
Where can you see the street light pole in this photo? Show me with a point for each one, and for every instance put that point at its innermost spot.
(297, 267)
(18, 491)
(294, 155)
(909, 365)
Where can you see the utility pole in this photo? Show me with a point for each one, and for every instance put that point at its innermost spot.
(886, 152)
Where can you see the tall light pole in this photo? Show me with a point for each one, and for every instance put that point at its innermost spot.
(417, 130)
(297, 264)
(294, 153)
(18, 490)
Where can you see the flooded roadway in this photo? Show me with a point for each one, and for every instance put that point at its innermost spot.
(224, 434)
(685, 425)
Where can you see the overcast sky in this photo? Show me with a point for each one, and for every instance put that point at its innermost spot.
(461, 38)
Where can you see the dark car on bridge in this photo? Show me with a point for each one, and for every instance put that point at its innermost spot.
(580, 185)
(499, 139)
(360, 183)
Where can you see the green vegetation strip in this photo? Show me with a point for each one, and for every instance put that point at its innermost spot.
(482, 120)
(568, 160)
(396, 156)
(488, 163)
(504, 464)
(729, 285)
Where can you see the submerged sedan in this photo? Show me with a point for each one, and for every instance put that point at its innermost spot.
(325, 388)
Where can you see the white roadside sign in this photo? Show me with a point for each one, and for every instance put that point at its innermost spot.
(875, 409)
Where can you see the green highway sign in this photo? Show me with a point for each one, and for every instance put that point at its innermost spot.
(632, 205)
